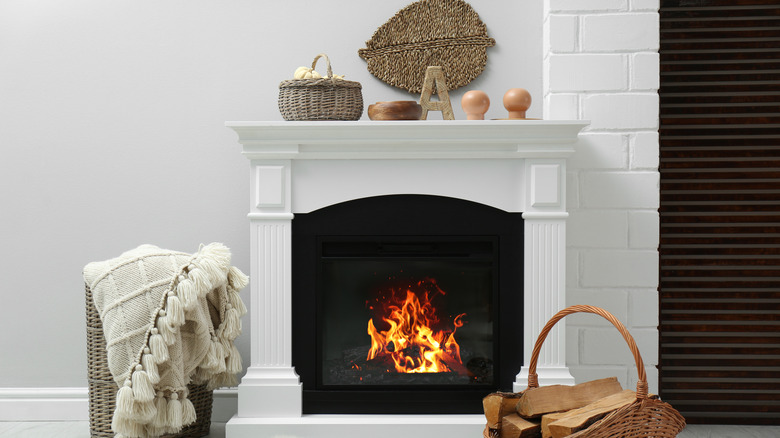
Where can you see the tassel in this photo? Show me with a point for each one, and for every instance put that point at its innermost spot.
(231, 327)
(158, 347)
(143, 412)
(142, 387)
(125, 427)
(125, 400)
(186, 290)
(161, 416)
(234, 364)
(188, 412)
(175, 311)
(215, 358)
(238, 280)
(167, 332)
(234, 298)
(174, 412)
(150, 365)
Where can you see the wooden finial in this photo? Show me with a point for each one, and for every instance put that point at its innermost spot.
(475, 104)
(435, 76)
(517, 101)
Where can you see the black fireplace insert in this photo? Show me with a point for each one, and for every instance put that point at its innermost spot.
(406, 304)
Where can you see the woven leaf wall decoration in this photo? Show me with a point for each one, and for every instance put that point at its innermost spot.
(447, 33)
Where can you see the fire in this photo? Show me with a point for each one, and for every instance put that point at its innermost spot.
(410, 340)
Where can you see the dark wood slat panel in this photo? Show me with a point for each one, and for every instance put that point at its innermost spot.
(720, 210)
(671, 5)
(688, 373)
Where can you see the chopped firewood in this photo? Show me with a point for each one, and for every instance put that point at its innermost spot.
(556, 398)
(513, 426)
(578, 419)
(547, 419)
(498, 405)
(490, 433)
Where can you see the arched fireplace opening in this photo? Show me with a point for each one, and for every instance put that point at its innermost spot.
(406, 304)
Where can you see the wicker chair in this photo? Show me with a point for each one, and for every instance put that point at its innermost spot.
(103, 389)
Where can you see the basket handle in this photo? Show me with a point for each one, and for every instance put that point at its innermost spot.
(533, 378)
(327, 61)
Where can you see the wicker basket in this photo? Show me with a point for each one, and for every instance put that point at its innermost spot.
(103, 389)
(648, 416)
(325, 98)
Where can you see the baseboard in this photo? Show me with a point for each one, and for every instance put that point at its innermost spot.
(72, 404)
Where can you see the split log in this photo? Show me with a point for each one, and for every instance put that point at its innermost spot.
(556, 398)
(513, 426)
(498, 405)
(547, 419)
(490, 433)
(578, 419)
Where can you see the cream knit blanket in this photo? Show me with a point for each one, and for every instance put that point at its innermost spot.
(169, 319)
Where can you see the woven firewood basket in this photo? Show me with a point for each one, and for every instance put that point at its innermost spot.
(327, 98)
(103, 389)
(647, 416)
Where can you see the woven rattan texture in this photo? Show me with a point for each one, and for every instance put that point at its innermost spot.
(648, 416)
(102, 388)
(325, 98)
(446, 33)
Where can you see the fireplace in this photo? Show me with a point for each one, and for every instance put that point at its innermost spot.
(297, 169)
(406, 304)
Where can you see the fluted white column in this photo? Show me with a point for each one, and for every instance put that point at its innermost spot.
(271, 387)
(544, 277)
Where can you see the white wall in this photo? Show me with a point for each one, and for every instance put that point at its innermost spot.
(111, 132)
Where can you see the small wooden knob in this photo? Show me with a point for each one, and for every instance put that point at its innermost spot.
(517, 101)
(475, 104)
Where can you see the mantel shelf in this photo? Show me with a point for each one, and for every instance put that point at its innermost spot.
(436, 139)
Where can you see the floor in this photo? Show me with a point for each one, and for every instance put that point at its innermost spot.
(80, 429)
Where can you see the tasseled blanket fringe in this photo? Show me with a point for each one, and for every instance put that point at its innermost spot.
(141, 409)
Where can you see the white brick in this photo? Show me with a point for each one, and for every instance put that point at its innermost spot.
(590, 5)
(563, 33)
(645, 5)
(619, 268)
(588, 72)
(597, 229)
(607, 347)
(586, 373)
(643, 229)
(572, 344)
(572, 190)
(621, 111)
(613, 301)
(560, 106)
(619, 190)
(644, 150)
(643, 308)
(645, 71)
(620, 32)
(600, 151)
(572, 267)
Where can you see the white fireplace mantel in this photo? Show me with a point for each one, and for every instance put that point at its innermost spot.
(298, 167)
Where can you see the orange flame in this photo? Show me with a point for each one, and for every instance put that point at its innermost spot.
(411, 341)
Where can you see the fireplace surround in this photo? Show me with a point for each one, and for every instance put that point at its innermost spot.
(300, 167)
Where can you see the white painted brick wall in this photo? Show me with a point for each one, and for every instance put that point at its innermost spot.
(601, 64)
(620, 32)
(604, 72)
